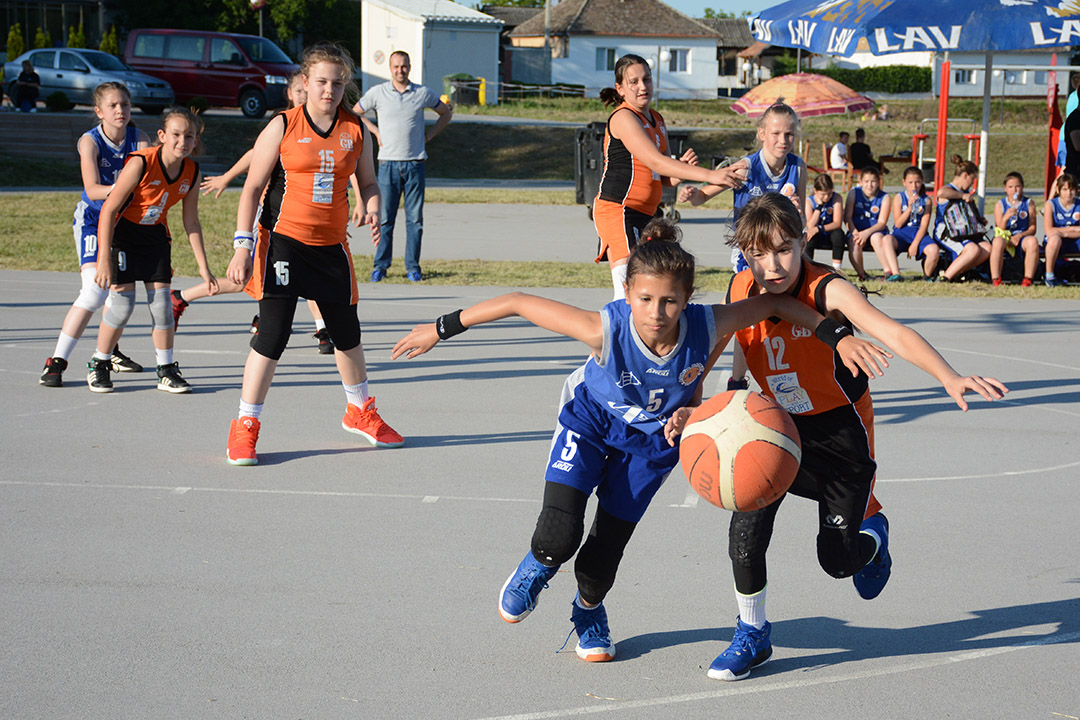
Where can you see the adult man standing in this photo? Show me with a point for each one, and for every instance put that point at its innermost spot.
(401, 136)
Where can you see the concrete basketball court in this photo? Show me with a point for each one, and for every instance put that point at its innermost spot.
(144, 578)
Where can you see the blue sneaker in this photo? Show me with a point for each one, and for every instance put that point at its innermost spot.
(518, 595)
(594, 638)
(377, 275)
(749, 648)
(1054, 282)
(414, 276)
(871, 580)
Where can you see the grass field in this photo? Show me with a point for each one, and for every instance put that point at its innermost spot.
(35, 234)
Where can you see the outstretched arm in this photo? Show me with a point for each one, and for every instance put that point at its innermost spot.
(568, 320)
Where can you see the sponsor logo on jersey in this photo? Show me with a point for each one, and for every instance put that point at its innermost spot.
(756, 191)
(1023, 214)
(105, 163)
(627, 378)
(184, 187)
(691, 374)
(788, 190)
(874, 209)
(782, 387)
(346, 141)
(564, 466)
(798, 331)
(656, 371)
(155, 183)
(303, 140)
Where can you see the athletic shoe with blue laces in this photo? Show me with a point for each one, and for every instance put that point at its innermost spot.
(594, 638)
(518, 595)
(749, 648)
(871, 580)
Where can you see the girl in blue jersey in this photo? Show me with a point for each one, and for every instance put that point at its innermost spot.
(911, 222)
(866, 214)
(824, 220)
(1061, 221)
(102, 151)
(963, 253)
(1014, 227)
(621, 414)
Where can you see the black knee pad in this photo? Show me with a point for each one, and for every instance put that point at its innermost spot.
(342, 324)
(270, 342)
(749, 534)
(557, 536)
(599, 558)
(838, 552)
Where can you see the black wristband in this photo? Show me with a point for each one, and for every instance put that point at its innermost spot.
(831, 332)
(449, 325)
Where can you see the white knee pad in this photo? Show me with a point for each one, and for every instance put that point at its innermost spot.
(121, 305)
(91, 297)
(160, 306)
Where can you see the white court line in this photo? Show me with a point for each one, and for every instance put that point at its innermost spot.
(1013, 359)
(1004, 473)
(763, 685)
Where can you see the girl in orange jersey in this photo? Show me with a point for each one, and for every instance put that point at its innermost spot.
(832, 410)
(308, 155)
(637, 166)
(138, 245)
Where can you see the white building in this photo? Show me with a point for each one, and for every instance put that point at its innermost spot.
(1014, 74)
(441, 37)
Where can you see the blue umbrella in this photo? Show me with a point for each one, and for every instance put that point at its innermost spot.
(835, 27)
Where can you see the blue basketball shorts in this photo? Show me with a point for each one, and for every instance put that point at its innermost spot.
(904, 237)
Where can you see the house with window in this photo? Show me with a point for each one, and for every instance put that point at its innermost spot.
(1015, 74)
(735, 74)
(523, 65)
(441, 37)
(588, 36)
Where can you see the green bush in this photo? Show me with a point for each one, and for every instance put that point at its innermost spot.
(76, 37)
(58, 102)
(42, 39)
(888, 78)
(15, 44)
(109, 43)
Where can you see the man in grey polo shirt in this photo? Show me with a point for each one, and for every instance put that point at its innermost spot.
(401, 135)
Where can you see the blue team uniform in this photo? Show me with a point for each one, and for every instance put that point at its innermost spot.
(1021, 221)
(760, 180)
(866, 210)
(905, 234)
(610, 432)
(826, 210)
(110, 162)
(1066, 217)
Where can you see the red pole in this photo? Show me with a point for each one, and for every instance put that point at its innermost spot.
(1054, 128)
(942, 126)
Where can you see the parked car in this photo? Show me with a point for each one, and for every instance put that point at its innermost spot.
(227, 69)
(76, 72)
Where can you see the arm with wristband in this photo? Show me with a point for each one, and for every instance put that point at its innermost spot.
(263, 158)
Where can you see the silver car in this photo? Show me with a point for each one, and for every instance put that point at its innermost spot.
(76, 72)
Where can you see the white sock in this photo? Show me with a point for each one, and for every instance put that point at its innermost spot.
(356, 394)
(64, 345)
(837, 265)
(1050, 275)
(98, 355)
(618, 277)
(164, 356)
(320, 324)
(752, 608)
(250, 410)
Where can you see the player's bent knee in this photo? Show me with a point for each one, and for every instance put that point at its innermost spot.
(270, 342)
(91, 298)
(160, 304)
(838, 553)
(557, 536)
(121, 305)
(749, 534)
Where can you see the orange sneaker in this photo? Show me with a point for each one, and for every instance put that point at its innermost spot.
(1026, 282)
(243, 434)
(365, 421)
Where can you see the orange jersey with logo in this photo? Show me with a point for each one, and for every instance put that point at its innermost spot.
(626, 180)
(790, 364)
(308, 196)
(156, 192)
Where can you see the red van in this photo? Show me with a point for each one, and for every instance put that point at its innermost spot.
(228, 69)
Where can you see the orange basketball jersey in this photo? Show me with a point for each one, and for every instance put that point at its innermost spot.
(790, 364)
(308, 195)
(626, 180)
(156, 192)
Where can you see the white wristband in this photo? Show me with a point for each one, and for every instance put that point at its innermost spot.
(243, 240)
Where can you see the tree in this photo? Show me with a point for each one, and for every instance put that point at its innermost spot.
(710, 13)
(42, 39)
(15, 44)
(76, 37)
(109, 43)
(513, 3)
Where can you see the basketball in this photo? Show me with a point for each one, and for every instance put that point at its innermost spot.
(740, 450)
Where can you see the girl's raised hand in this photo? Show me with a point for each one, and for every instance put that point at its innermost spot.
(421, 339)
(215, 184)
(858, 354)
(675, 424)
(689, 157)
(990, 388)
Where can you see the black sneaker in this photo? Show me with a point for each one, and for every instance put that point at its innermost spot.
(98, 377)
(740, 384)
(170, 380)
(326, 345)
(122, 363)
(54, 368)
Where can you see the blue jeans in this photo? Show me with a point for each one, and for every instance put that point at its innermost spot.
(397, 178)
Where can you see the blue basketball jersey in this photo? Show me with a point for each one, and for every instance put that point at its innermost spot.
(1064, 217)
(919, 208)
(1021, 220)
(866, 210)
(939, 216)
(760, 180)
(110, 159)
(826, 208)
(637, 387)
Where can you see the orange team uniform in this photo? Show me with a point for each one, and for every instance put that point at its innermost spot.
(629, 191)
(801, 373)
(307, 198)
(156, 192)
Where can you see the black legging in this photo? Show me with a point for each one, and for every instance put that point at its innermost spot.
(834, 239)
(275, 325)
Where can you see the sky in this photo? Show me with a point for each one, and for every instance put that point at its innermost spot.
(696, 8)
